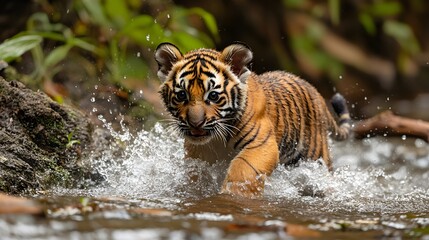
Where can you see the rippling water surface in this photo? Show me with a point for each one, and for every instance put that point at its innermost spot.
(380, 187)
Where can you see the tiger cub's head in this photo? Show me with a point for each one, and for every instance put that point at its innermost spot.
(204, 90)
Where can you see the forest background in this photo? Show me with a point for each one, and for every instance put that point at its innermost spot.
(98, 54)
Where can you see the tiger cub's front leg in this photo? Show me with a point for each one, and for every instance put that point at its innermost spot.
(257, 160)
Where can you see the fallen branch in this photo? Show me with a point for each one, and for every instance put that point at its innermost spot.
(391, 124)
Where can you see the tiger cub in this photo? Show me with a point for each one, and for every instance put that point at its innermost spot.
(226, 112)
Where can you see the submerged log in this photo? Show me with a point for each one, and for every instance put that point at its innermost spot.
(18, 205)
(387, 123)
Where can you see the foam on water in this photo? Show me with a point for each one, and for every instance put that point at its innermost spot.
(153, 166)
(374, 176)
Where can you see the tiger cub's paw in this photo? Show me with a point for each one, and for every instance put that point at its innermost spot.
(248, 189)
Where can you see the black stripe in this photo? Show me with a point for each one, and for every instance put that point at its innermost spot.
(264, 141)
(248, 163)
(216, 68)
(244, 136)
(209, 74)
(233, 96)
(201, 55)
(299, 111)
(184, 74)
(252, 138)
(226, 79)
(343, 121)
(308, 123)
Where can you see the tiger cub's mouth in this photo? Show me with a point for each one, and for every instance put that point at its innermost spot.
(198, 136)
(198, 133)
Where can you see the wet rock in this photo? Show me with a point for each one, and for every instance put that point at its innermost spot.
(42, 143)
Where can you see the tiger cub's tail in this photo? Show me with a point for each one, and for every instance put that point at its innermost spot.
(342, 130)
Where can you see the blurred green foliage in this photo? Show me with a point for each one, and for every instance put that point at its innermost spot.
(382, 17)
(116, 34)
(321, 40)
(126, 30)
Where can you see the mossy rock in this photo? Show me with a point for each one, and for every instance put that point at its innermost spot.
(34, 140)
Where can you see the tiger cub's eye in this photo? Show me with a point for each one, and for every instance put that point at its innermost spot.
(181, 96)
(213, 96)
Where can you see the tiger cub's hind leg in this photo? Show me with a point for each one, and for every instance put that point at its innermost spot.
(326, 157)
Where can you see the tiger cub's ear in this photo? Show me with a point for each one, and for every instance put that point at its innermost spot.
(166, 54)
(238, 55)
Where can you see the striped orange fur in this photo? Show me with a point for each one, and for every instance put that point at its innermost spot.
(226, 112)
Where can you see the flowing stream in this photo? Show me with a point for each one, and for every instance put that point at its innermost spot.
(379, 188)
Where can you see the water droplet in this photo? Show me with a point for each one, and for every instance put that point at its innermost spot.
(420, 143)
(92, 99)
(365, 98)
(125, 77)
(340, 77)
(404, 137)
(141, 91)
(387, 99)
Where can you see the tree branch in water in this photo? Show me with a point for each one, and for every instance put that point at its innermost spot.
(391, 124)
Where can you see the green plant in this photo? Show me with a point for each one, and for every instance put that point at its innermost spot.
(126, 31)
(46, 63)
(117, 35)
(70, 141)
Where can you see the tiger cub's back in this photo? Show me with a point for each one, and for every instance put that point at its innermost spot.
(299, 116)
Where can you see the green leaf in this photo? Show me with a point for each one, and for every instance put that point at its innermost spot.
(50, 35)
(402, 33)
(132, 67)
(295, 3)
(56, 55)
(96, 12)
(118, 11)
(368, 23)
(334, 9)
(186, 42)
(385, 9)
(85, 45)
(15, 47)
(140, 22)
(208, 19)
(40, 22)
(143, 30)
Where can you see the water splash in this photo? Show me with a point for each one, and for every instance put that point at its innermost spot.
(370, 175)
(153, 166)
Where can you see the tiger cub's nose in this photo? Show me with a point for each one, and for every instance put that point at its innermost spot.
(196, 116)
(196, 123)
